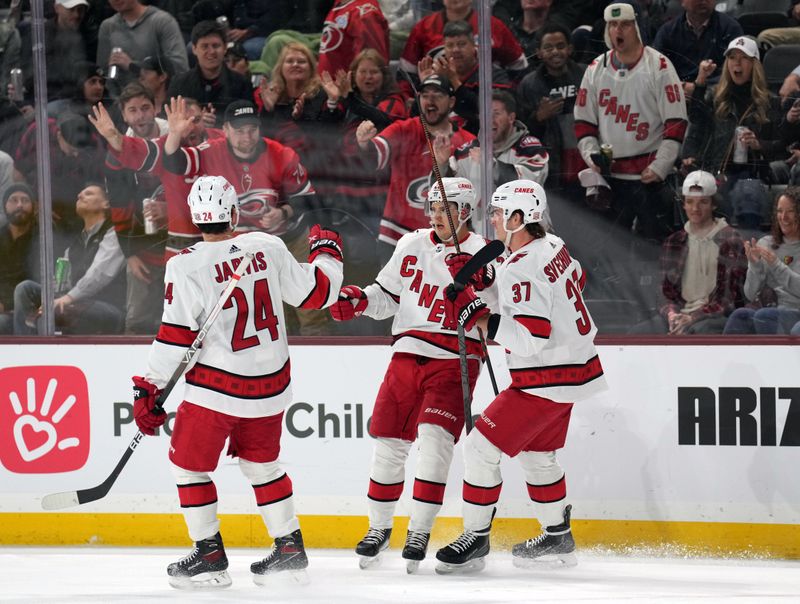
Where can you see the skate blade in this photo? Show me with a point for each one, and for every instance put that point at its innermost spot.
(551, 562)
(468, 568)
(370, 562)
(215, 580)
(293, 577)
(412, 566)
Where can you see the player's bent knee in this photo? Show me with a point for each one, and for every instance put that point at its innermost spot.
(184, 476)
(260, 472)
(478, 450)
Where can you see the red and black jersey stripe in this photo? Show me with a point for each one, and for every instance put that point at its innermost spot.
(556, 375)
(176, 335)
(318, 296)
(240, 386)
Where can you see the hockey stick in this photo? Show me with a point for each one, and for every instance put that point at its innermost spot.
(66, 499)
(462, 339)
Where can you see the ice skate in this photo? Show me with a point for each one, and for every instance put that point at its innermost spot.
(414, 550)
(465, 555)
(288, 556)
(554, 548)
(205, 567)
(369, 549)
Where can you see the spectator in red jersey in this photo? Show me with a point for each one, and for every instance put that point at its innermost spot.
(459, 64)
(404, 147)
(271, 182)
(427, 38)
(350, 27)
(145, 155)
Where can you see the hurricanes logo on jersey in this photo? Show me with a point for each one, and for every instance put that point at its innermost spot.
(417, 192)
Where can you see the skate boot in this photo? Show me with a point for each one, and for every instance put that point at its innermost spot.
(466, 554)
(288, 554)
(554, 548)
(206, 566)
(370, 547)
(414, 550)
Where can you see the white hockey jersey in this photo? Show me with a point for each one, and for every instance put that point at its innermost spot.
(411, 287)
(640, 112)
(545, 326)
(243, 367)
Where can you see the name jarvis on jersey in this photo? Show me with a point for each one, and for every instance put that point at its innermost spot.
(226, 268)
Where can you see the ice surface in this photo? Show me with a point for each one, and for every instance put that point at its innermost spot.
(94, 574)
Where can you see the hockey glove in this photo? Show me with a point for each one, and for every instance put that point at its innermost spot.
(480, 280)
(465, 306)
(351, 303)
(324, 241)
(148, 417)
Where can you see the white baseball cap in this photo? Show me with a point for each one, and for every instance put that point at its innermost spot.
(72, 3)
(702, 180)
(746, 44)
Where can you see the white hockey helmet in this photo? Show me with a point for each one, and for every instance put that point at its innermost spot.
(212, 199)
(458, 191)
(526, 196)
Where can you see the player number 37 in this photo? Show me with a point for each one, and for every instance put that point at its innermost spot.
(521, 292)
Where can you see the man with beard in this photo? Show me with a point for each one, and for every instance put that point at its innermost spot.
(18, 249)
(403, 146)
(146, 155)
(271, 183)
(517, 154)
(131, 209)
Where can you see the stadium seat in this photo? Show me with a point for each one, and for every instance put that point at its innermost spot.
(753, 23)
(740, 7)
(779, 62)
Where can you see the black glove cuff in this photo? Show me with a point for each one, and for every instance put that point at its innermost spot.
(492, 326)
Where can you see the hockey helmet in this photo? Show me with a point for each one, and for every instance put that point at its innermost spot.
(526, 196)
(458, 191)
(212, 199)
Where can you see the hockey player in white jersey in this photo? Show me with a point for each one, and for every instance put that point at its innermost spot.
(239, 382)
(631, 98)
(420, 397)
(548, 335)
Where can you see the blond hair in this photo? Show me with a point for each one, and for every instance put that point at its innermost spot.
(759, 92)
(313, 85)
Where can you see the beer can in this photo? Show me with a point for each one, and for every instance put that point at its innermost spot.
(62, 274)
(739, 148)
(223, 22)
(113, 70)
(18, 82)
(150, 226)
(607, 151)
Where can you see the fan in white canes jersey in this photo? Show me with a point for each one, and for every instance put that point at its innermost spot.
(239, 382)
(549, 339)
(421, 396)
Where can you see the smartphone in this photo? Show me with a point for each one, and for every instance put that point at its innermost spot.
(796, 104)
(557, 96)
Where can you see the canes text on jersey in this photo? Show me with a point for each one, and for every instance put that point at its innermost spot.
(226, 268)
(427, 292)
(623, 114)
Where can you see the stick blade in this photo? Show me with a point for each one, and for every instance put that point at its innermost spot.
(59, 501)
(482, 257)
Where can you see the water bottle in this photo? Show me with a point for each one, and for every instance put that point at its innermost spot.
(113, 70)
(17, 81)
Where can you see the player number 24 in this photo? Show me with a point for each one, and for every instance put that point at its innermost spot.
(263, 315)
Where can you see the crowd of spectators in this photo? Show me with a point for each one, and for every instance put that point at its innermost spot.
(665, 147)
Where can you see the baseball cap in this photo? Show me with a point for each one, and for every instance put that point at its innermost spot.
(746, 44)
(72, 3)
(75, 129)
(152, 63)
(439, 82)
(239, 113)
(702, 180)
